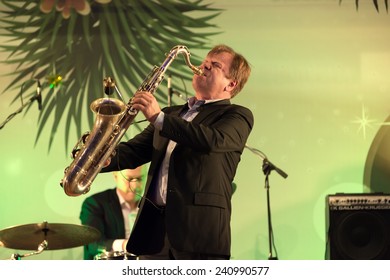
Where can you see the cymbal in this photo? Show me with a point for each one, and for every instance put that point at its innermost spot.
(58, 236)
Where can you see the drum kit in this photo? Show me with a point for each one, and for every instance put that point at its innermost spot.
(116, 255)
(46, 236)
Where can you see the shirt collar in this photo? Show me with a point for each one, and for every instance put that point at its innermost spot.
(194, 102)
(122, 201)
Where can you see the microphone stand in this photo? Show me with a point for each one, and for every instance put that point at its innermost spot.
(267, 167)
(171, 92)
(11, 116)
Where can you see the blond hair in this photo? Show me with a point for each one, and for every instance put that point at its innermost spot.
(240, 69)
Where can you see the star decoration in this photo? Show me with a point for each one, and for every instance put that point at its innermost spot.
(364, 122)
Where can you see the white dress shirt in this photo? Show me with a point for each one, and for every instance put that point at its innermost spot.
(129, 219)
(162, 179)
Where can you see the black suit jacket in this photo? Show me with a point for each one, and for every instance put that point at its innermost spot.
(103, 212)
(201, 171)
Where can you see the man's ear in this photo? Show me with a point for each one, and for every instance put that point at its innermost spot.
(231, 86)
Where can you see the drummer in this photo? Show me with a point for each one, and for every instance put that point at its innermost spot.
(113, 212)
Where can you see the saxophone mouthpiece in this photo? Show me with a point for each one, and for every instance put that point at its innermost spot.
(198, 71)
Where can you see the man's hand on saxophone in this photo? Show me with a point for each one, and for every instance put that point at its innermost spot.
(145, 102)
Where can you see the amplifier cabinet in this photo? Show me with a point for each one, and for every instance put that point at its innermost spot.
(358, 226)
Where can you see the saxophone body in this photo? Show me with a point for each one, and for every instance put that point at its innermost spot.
(113, 118)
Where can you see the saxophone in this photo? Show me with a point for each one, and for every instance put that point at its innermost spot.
(113, 118)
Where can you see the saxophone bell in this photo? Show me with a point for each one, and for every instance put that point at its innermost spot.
(91, 151)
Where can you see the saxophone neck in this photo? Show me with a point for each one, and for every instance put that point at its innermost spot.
(186, 53)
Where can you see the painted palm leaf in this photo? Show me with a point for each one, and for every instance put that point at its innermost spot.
(375, 2)
(122, 39)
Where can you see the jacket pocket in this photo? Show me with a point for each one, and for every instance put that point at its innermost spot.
(209, 199)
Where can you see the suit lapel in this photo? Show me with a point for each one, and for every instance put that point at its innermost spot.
(209, 108)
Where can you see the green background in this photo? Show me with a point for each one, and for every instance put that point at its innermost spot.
(319, 92)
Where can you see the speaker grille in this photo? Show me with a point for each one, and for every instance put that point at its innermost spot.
(358, 226)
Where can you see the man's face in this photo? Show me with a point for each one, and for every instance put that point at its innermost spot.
(214, 84)
(129, 182)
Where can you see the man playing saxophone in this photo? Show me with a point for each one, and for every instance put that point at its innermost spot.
(193, 150)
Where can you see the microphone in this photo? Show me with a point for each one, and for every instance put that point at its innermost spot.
(267, 165)
(108, 85)
(39, 95)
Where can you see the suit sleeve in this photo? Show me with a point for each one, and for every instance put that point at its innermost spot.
(227, 132)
